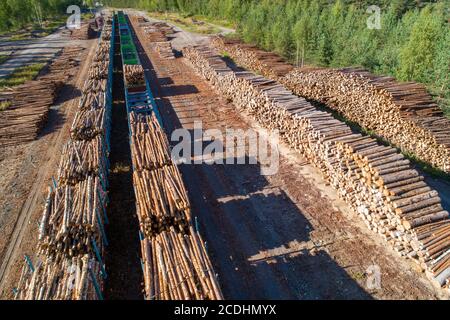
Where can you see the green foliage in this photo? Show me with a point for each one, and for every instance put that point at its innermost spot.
(412, 44)
(4, 105)
(417, 54)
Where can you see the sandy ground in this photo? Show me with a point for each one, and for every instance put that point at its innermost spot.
(25, 172)
(285, 236)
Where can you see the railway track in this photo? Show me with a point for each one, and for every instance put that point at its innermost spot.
(43, 176)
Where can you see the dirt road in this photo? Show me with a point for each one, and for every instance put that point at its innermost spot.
(285, 236)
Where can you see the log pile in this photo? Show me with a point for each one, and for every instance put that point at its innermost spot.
(134, 75)
(375, 180)
(88, 123)
(178, 268)
(85, 32)
(71, 239)
(402, 113)
(175, 262)
(166, 203)
(165, 50)
(93, 117)
(73, 218)
(61, 278)
(150, 147)
(81, 159)
(30, 102)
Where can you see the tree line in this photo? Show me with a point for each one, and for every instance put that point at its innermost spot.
(15, 14)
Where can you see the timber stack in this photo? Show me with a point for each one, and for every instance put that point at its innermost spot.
(71, 239)
(176, 264)
(27, 114)
(375, 180)
(404, 114)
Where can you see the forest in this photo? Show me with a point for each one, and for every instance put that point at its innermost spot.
(412, 43)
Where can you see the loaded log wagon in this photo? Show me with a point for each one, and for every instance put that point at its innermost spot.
(174, 258)
(68, 260)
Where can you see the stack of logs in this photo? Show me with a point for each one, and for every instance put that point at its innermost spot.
(404, 114)
(175, 262)
(30, 102)
(71, 236)
(156, 33)
(375, 180)
(84, 32)
(134, 75)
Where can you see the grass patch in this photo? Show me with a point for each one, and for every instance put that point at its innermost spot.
(22, 75)
(87, 16)
(4, 105)
(186, 22)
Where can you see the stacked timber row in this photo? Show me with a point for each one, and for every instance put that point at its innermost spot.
(156, 33)
(375, 180)
(27, 105)
(402, 113)
(176, 264)
(71, 240)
